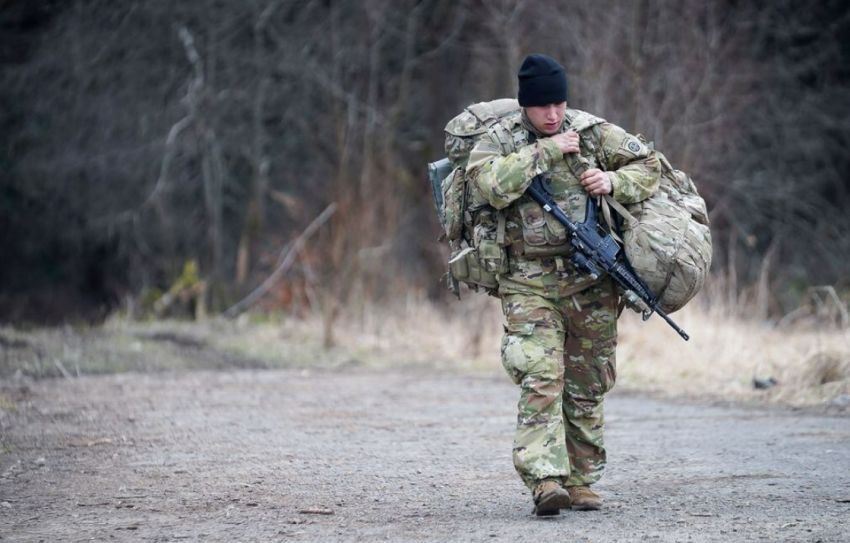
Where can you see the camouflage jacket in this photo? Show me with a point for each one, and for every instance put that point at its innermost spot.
(502, 165)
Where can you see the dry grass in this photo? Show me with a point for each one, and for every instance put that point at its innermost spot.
(724, 354)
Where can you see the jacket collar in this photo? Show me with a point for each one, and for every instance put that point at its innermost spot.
(533, 133)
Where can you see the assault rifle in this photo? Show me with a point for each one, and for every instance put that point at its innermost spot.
(596, 252)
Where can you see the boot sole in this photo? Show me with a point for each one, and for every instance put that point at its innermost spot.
(552, 504)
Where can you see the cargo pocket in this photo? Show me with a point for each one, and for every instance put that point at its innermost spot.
(604, 360)
(458, 264)
(556, 233)
(464, 265)
(608, 375)
(533, 224)
(492, 257)
(515, 343)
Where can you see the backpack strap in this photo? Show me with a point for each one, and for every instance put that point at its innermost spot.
(597, 134)
(503, 137)
(488, 113)
(621, 209)
(581, 120)
(500, 228)
(606, 203)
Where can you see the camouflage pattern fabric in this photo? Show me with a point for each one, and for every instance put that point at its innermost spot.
(561, 333)
(463, 131)
(669, 241)
(561, 352)
(500, 179)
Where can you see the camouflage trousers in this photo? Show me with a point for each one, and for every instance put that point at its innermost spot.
(561, 352)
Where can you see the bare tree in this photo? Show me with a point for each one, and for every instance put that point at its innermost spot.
(147, 134)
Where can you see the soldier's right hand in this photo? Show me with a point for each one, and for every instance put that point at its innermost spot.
(567, 142)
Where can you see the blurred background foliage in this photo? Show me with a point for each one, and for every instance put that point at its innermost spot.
(139, 136)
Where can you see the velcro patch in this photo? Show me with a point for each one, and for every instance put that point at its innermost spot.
(633, 147)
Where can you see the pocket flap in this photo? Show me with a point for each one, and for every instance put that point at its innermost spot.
(520, 328)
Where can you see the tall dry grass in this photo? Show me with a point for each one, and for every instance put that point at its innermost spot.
(810, 363)
(729, 348)
(727, 353)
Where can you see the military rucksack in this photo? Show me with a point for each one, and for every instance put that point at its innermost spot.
(667, 238)
(474, 230)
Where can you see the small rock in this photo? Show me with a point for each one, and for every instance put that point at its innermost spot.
(761, 383)
(316, 511)
(40, 461)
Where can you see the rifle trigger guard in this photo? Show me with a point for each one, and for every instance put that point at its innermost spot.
(645, 315)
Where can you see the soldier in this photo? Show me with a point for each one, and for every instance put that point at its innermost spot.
(561, 332)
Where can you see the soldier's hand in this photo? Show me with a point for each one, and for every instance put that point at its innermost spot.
(567, 142)
(596, 182)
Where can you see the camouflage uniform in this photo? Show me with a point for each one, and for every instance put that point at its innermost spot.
(561, 332)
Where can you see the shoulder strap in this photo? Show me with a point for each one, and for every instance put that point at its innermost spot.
(502, 132)
(582, 120)
(609, 200)
(489, 113)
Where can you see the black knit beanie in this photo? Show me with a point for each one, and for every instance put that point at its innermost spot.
(542, 81)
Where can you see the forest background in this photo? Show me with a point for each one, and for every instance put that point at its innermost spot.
(239, 187)
(151, 144)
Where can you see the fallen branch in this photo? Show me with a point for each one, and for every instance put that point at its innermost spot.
(285, 264)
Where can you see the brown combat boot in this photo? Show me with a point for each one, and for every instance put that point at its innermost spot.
(550, 498)
(584, 499)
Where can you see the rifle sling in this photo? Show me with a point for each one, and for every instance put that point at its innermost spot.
(609, 200)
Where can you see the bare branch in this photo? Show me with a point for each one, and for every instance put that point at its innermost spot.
(285, 264)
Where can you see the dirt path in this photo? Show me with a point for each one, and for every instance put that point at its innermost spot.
(398, 456)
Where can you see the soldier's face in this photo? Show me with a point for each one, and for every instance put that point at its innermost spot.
(547, 119)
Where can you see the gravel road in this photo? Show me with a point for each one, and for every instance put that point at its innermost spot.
(414, 455)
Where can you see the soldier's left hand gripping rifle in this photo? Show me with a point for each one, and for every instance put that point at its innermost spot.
(596, 252)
